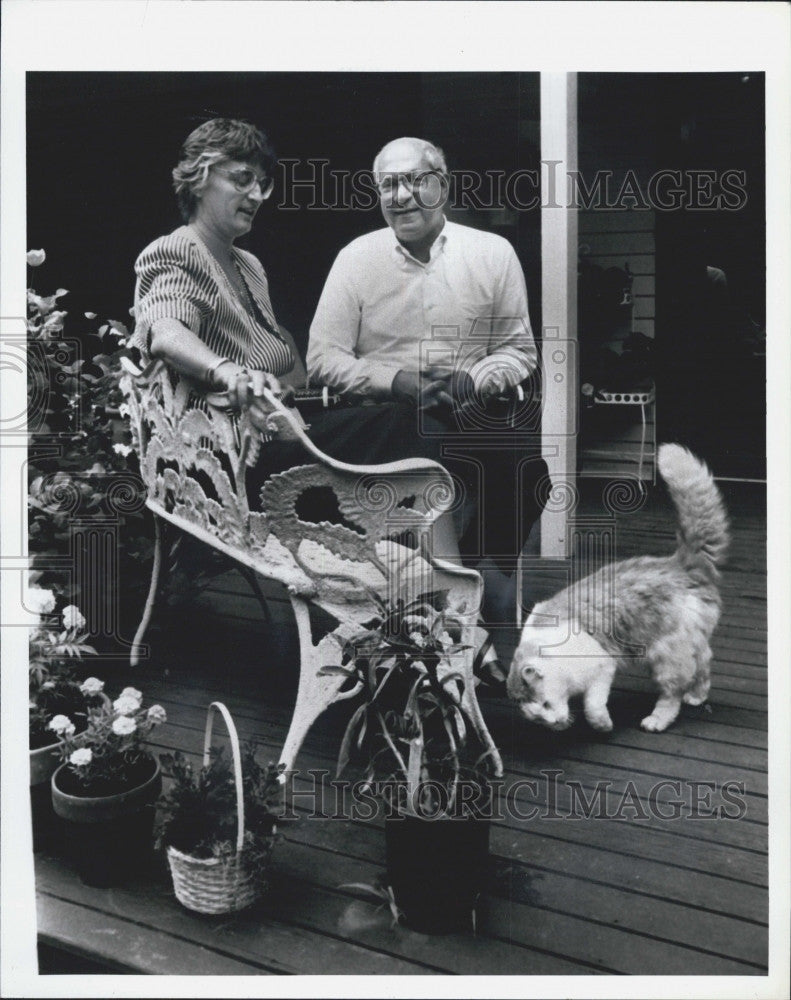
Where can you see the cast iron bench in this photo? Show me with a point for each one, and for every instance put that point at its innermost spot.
(329, 563)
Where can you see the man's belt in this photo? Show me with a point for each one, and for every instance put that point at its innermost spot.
(315, 398)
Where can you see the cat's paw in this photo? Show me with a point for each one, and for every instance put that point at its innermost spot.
(601, 723)
(694, 699)
(653, 724)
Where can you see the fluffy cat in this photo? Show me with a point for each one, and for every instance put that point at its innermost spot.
(661, 609)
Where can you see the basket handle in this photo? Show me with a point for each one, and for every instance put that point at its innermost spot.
(237, 763)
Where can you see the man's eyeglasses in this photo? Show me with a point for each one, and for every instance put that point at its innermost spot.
(244, 180)
(422, 182)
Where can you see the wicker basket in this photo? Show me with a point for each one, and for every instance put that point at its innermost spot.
(217, 885)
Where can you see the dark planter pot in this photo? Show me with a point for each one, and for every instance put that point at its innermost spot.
(43, 763)
(437, 870)
(109, 839)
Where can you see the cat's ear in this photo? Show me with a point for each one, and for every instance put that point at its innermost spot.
(530, 672)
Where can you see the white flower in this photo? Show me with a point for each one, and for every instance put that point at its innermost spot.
(123, 726)
(157, 714)
(91, 686)
(35, 257)
(122, 449)
(126, 705)
(132, 693)
(418, 638)
(81, 757)
(62, 725)
(73, 618)
(41, 601)
(54, 321)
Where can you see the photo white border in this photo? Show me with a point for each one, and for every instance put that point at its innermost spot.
(47, 35)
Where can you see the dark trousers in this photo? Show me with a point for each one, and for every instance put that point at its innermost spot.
(501, 480)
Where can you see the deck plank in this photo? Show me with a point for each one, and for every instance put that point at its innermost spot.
(248, 943)
(141, 948)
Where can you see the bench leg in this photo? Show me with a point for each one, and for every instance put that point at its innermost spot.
(137, 648)
(315, 692)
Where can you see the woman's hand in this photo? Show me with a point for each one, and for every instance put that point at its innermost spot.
(244, 386)
(235, 380)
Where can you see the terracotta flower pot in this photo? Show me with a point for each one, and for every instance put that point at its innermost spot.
(43, 762)
(109, 838)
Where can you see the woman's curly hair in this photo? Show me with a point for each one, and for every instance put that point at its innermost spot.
(213, 141)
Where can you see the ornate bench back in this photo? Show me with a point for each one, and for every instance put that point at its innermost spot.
(193, 460)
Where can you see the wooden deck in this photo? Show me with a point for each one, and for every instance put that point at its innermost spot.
(650, 882)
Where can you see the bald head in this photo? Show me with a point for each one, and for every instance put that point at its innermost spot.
(408, 147)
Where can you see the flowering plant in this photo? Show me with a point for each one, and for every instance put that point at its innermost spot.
(412, 724)
(54, 692)
(75, 402)
(199, 809)
(108, 757)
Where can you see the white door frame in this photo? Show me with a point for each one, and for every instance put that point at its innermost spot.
(558, 305)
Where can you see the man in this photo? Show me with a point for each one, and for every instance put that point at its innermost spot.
(433, 315)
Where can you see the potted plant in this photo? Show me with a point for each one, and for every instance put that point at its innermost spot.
(58, 701)
(106, 788)
(75, 401)
(219, 825)
(423, 754)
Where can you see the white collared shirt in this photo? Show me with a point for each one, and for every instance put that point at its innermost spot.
(382, 310)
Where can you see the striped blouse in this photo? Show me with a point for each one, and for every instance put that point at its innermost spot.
(178, 278)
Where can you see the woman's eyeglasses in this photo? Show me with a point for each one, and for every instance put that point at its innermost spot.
(244, 180)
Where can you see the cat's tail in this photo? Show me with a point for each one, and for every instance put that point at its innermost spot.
(702, 520)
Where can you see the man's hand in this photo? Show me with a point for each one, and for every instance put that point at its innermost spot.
(435, 388)
(462, 388)
(424, 389)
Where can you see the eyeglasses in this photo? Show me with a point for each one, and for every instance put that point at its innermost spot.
(244, 180)
(414, 182)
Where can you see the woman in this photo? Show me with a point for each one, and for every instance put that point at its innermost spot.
(201, 303)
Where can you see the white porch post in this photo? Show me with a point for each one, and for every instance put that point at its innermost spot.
(559, 298)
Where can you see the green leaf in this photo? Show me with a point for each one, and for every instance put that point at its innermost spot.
(391, 666)
(334, 669)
